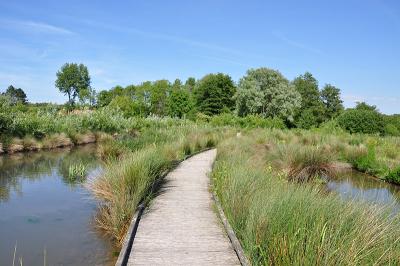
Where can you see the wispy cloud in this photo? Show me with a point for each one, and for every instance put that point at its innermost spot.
(33, 26)
(296, 44)
(167, 37)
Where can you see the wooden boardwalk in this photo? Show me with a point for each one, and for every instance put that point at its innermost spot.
(181, 226)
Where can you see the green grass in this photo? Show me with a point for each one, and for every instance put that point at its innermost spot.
(131, 179)
(284, 223)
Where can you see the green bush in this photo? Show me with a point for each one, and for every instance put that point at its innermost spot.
(367, 162)
(249, 121)
(5, 123)
(393, 176)
(391, 130)
(361, 121)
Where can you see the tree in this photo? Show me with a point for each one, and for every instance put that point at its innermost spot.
(365, 106)
(72, 80)
(268, 93)
(125, 104)
(214, 94)
(158, 96)
(190, 84)
(179, 103)
(307, 86)
(311, 102)
(15, 95)
(330, 96)
(104, 98)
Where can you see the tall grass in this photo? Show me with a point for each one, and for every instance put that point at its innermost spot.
(282, 223)
(135, 176)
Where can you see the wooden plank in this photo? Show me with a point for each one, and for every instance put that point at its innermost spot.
(180, 227)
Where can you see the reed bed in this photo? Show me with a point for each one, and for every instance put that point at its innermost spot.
(280, 222)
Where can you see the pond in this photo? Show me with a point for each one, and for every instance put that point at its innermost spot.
(359, 186)
(47, 216)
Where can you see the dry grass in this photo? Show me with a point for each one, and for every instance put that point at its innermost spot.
(16, 145)
(57, 141)
(84, 138)
(31, 144)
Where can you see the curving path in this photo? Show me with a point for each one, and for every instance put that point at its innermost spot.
(181, 226)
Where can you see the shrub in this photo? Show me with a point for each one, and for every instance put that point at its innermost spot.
(361, 121)
(391, 130)
(364, 159)
(393, 176)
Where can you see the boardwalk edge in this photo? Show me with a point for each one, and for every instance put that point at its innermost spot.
(126, 248)
(228, 228)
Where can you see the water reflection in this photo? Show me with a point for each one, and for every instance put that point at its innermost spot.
(42, 208)
(359, 186)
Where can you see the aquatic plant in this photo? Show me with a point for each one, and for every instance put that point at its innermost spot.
(77, 172)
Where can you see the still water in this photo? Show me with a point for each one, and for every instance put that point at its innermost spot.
(44, 215)
(353, 185)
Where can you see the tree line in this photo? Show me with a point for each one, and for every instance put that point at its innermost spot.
(263, 92)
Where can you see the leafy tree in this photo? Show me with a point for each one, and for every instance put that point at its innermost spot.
(268, 93)
(125, 104)
(104, 98)
(330, 96)
(72, 80)
(307, 86)
(214, 93)
(179, 103)
(365, 106)
(15, 95)
(306, 120)
(177, 85)
(87, 96)
(190, 84)
(311, 102)
(158, 97)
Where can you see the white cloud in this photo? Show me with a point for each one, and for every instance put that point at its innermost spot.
(297, 44)
(32, 26)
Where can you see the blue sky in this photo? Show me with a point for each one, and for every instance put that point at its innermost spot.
(354, 45)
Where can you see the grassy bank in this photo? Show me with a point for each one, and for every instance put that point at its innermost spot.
(280, 222)
(131, 178)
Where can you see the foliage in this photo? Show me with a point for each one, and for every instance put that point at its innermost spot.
(250, 121)
(306, 119)
(124, 104)
(391, 130)
(214, 93)
(312, 110)
(73, 80)
(366, 161)
(393, 176)
(266, 92)
(15, 95)
(330, 96)
(307, 86)
(361, 121)
(180, 103)
(365, 106)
